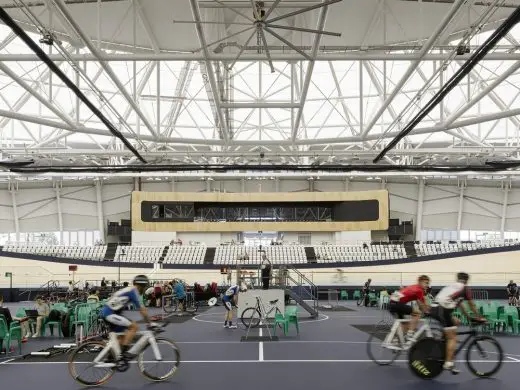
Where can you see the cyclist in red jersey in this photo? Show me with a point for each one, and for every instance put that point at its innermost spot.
(399, 300)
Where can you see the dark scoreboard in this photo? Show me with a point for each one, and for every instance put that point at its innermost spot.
(337, 211)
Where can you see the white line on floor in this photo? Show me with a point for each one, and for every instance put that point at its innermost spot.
(265, 361)
(7, 361)
(513, 359)
(261, 348)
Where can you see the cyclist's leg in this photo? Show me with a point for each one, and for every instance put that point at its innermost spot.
(121, 324)
(229, 313)
(450, 330)
(416, 316)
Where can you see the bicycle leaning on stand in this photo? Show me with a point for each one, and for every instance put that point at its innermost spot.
(426, 357)
(104, 357)
(252, 316)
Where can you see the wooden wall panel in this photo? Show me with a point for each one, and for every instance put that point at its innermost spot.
(140, 196)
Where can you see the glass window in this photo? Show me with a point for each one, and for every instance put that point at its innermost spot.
(90, 238)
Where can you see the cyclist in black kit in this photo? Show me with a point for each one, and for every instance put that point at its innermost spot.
(512, 293)
(366, 289)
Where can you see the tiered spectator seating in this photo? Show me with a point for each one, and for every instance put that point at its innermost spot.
(71, 252)
(343, 253)
(185, 254)
(426, 249)
(277, 254)
(138, 254)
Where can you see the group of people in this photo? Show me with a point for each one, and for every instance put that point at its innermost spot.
(42, 309)
(441, 309)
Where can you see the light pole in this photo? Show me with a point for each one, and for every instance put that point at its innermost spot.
(10, 276)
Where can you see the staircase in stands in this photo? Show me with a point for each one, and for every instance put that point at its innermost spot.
(409, 247)
(209, 256)
(111, 251)
(311, 254)
(302, 290)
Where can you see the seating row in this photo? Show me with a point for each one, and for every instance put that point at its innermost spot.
(73, 252)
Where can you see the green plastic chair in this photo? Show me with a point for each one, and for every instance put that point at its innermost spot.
(279, 319)
(343, 295)
(357, 295)
(291, 314)
(81, 318)
(372, 299)
(20, 313)
(51, 325)
(491, 314)
(7, 335)
(513, 319)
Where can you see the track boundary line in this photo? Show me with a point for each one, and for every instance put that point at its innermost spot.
(264, 361)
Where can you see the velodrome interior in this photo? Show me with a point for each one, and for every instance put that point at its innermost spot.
(199, 140)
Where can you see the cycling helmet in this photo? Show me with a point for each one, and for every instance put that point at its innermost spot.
(141, 280)
(463, 276)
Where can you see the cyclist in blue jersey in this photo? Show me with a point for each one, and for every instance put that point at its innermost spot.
(117, 303)
(230, 300)
(180, 295)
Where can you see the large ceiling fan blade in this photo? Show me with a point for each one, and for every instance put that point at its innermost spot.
(301, 11)
(242, 50)
(274, 34)
(267, 51)
(309, 30)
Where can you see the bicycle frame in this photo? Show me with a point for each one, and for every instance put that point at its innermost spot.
(398, 329)
(261, 307)
(470, 333)
(147, 337)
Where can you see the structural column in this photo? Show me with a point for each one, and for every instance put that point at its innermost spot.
(242, 185)
(277, 184)
(311, 185)
(462, 186)
(172, 185)
(506, 189)
(57, 188)
(420, 201)
(347, 184)
(208, 185)
(99, 199)
(12, 190)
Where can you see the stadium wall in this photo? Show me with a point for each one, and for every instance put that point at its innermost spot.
(37, 201)
(488, 269)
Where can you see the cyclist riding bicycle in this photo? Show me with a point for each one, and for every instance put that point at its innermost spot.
(366, 286)
(512, 291)
(111, 313)
(446, 301)
(399, 303)
(230, 300)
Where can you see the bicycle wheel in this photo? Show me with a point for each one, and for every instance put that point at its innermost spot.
(484, 356)
(361, 300)
(378, 353)
(426, 358)
(170, 305)
(81, 363)
(193, 308)
(250, 317)
(160, 370)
